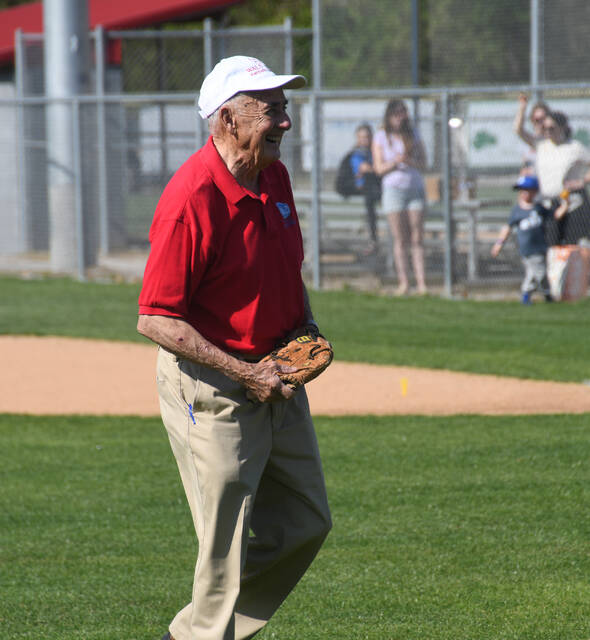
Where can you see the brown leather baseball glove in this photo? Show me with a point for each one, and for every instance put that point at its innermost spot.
(309, 352)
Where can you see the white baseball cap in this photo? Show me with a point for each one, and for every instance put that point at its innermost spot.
(240, 73)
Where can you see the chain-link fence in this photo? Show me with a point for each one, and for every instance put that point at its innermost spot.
(438, 43)
(137, 123)
(473, 158)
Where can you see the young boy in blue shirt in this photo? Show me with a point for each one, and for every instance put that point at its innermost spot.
(528, 219)
(367, 184)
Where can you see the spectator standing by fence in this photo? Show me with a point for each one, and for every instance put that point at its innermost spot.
(532, 138)
(398, 158)
(563, 169)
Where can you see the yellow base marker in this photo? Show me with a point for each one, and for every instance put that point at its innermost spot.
(404, 386)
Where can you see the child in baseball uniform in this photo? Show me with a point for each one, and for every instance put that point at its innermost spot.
(528, 218)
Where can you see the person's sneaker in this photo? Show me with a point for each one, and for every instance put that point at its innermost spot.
(526, 298)
(167, 636)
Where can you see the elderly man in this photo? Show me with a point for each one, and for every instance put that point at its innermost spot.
(221, 287)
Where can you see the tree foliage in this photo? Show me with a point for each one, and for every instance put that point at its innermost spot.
(257, 12)
(369, 43)
(5, 4)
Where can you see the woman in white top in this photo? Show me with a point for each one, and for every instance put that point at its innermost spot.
(398, 157)
(563, 170)
(532, 138)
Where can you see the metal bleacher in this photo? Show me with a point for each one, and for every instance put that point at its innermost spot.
(476, 223)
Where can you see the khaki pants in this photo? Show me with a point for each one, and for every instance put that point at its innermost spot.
(253, 479)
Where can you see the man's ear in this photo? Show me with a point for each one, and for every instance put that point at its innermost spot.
(226, 116)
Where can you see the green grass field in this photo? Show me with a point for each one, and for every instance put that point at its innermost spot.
(456, 528)
(547, 342)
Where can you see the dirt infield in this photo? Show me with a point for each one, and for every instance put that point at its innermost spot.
(62, 375)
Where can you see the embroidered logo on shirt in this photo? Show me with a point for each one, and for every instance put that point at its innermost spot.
(284, 209)
(285, 212)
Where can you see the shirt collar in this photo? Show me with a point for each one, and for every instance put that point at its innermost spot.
(232, 190)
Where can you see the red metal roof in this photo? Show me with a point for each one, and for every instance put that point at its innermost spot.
(111, 14)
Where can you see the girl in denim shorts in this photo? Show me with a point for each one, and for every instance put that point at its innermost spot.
(399, 157)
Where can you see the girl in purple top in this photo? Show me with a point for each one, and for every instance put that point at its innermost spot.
(398, 157)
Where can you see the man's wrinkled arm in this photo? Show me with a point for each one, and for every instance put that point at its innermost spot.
(181, 338)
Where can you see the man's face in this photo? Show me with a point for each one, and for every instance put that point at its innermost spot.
(261, 121)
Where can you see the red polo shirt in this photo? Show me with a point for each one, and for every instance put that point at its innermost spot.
(225, 259)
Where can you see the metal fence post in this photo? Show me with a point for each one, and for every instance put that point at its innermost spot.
(289, 146)
(24, 241)
(208, 44)
(447, 197)
(316, 138)
(288, 28)
(316, 186)
(416, 58)
(534, 49)
(66, 65)
(101, 141)
(78, 205)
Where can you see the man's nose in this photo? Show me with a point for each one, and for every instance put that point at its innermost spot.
(285, 122)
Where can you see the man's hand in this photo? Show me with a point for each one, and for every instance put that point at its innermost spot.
(307, 351)
(263, 383)
(260, 379)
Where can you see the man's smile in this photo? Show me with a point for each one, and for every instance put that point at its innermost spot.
(274, 139)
